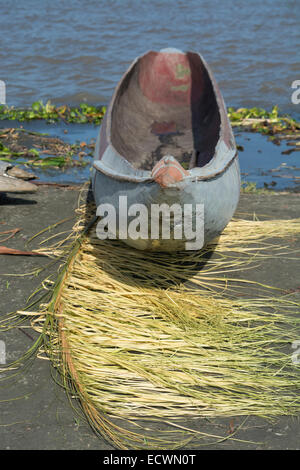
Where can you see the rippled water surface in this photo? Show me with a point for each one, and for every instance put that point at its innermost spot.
(71, 51)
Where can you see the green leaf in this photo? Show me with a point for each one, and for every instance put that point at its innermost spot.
(37, 105)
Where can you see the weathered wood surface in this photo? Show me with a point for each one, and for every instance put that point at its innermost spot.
(166, 138)
(12, 180)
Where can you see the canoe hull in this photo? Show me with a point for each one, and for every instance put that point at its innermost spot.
(219, 197)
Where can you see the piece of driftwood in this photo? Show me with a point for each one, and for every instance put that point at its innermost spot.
(4, 250)
(13, 184)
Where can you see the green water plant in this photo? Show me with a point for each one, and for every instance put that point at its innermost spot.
(255, 119)
(84, 113)
(41, 151)
(250, 187)
(265, 122)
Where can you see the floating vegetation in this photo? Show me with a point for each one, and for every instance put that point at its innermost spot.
(82, 114)
(270, 123)
(267, 122)
(257, 119)
(250, 187)
(36, 149)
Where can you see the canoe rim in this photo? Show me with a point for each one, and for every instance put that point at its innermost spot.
(107, 157)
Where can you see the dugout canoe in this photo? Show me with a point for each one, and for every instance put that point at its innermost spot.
(166, 139)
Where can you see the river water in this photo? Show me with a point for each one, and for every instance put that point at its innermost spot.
(74, 51)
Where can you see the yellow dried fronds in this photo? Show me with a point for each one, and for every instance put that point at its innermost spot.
(154, 338)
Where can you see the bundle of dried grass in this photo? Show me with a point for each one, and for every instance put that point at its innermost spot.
(149, 343)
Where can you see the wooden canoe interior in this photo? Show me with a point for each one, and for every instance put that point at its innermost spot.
(166, 105)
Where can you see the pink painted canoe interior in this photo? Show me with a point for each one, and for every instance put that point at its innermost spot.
(166, 105)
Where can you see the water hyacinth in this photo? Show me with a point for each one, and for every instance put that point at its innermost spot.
(82, 114)
(259, 119)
